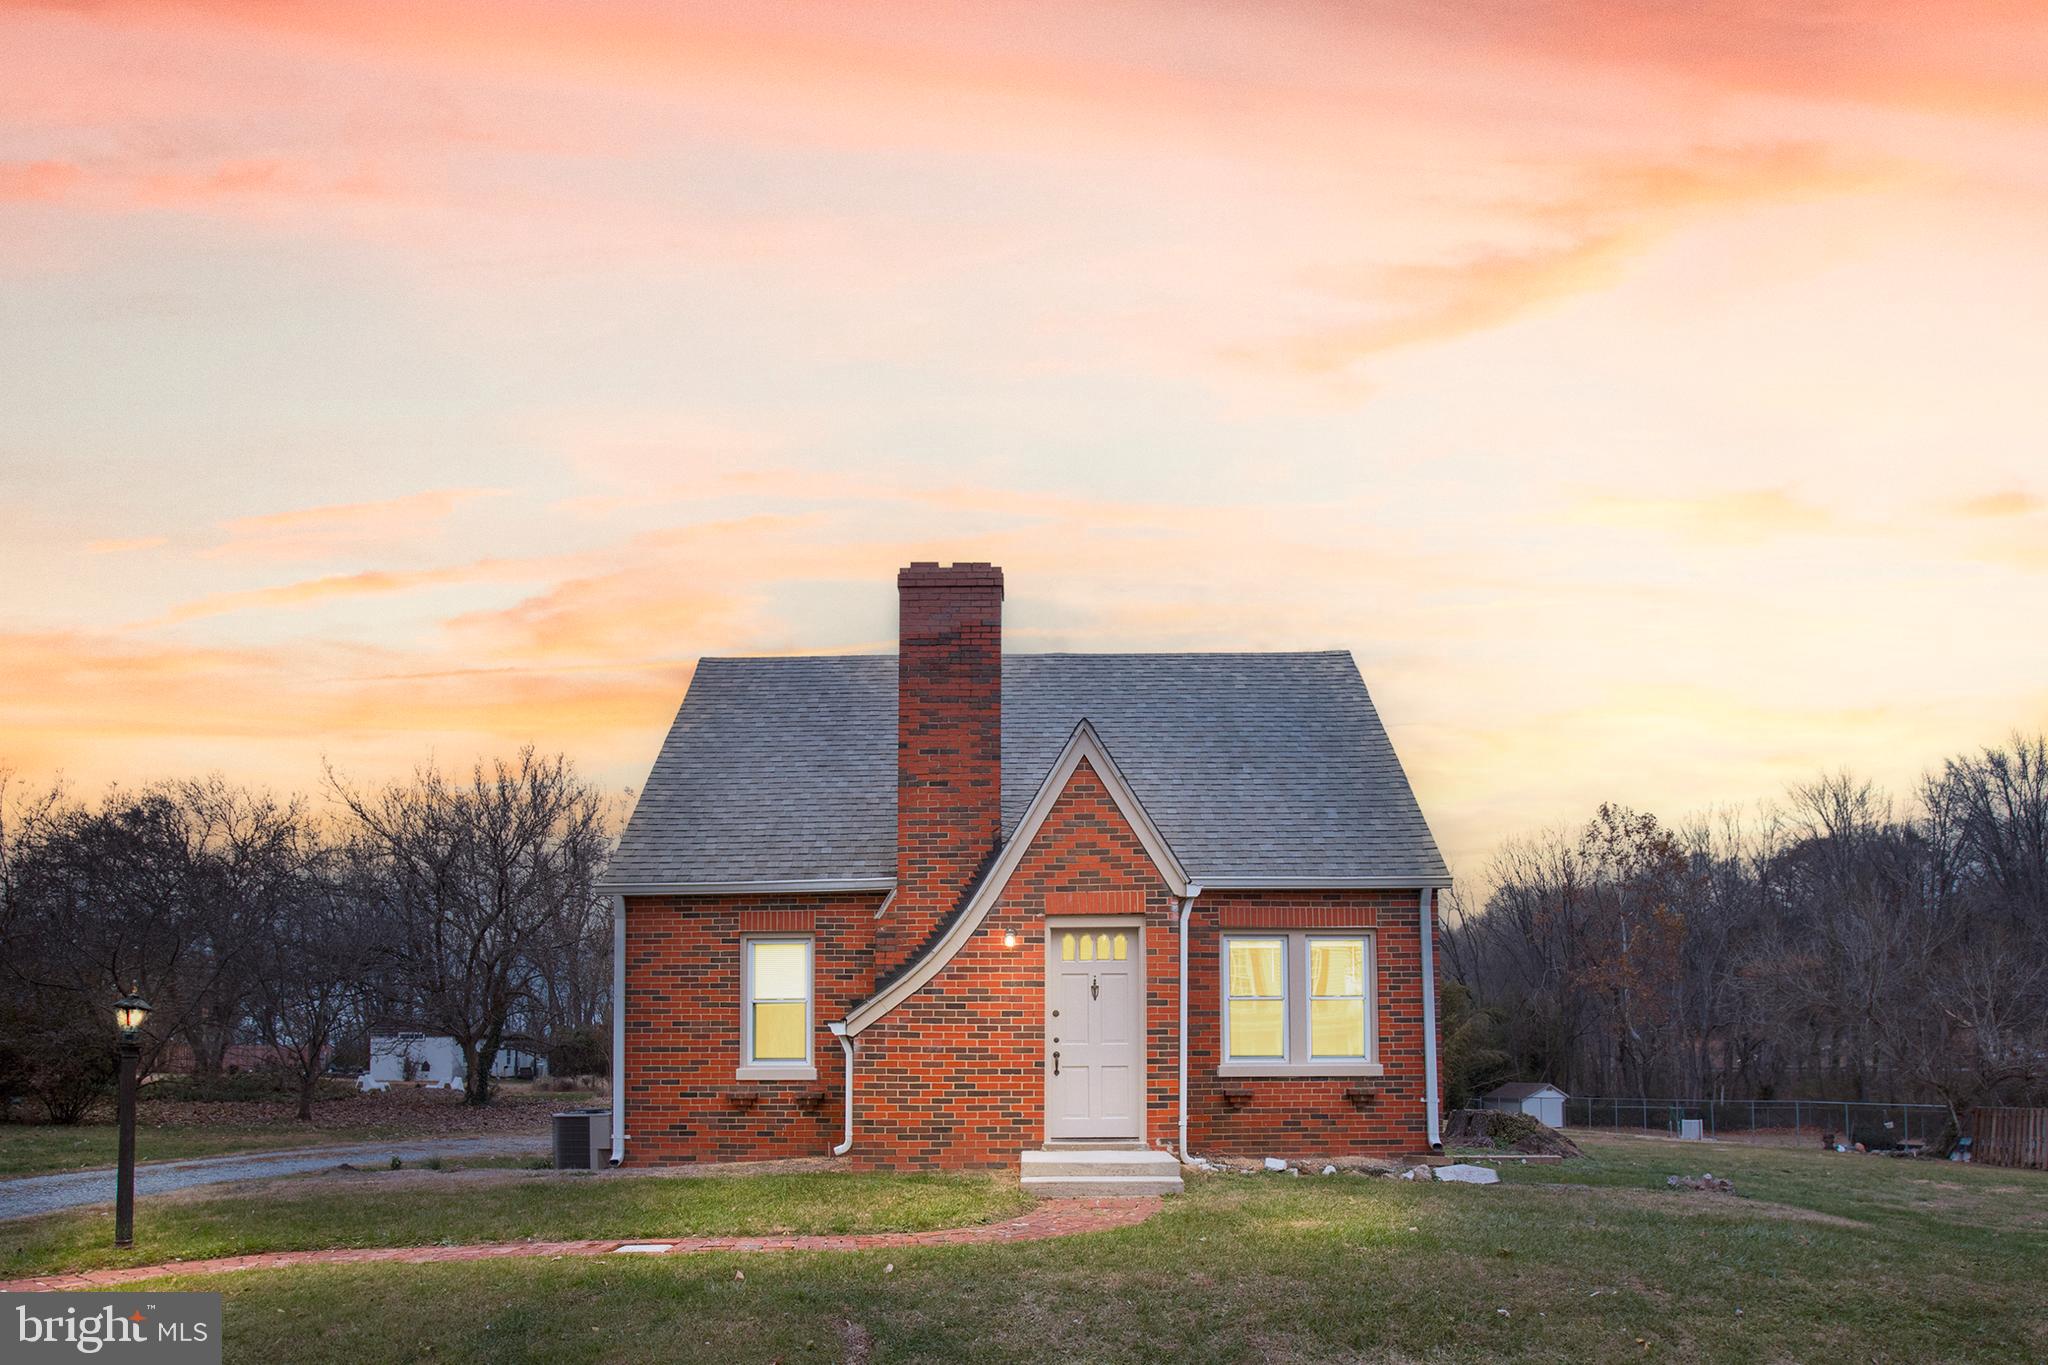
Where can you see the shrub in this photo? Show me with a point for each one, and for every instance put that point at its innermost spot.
(580, 1051)
(65, 1061)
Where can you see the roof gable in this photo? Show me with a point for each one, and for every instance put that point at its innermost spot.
(1083, 746)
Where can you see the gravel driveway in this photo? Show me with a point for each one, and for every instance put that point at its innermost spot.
(29, 1195)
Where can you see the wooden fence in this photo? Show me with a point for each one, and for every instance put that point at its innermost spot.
(2010, 1137)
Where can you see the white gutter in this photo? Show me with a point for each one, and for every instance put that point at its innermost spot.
(1187, 913)
(1276, 882)
(786, 884)
(846, 1045)
(618, 1029)
(1429, 1096)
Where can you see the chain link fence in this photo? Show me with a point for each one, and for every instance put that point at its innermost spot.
(1879, 1127)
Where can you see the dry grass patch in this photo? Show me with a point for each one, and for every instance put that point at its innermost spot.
(1696, 1203)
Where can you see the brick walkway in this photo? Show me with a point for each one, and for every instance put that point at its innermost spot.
(1055, 1218)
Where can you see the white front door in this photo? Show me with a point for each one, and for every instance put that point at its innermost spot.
(1094, 1000)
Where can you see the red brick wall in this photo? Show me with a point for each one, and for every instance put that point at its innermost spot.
(955, 1075)
(683, 1026)
(1309, 1116)
(949, 744)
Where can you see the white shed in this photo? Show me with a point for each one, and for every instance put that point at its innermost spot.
(1539, 1100)
(519, 1058)
(408, 1056)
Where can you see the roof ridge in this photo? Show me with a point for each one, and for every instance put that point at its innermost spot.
(1062, 654)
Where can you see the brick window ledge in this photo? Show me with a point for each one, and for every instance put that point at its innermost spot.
(1297, 1070)
(776, 1073)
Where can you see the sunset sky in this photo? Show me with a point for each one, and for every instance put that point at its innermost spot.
(1650, 395)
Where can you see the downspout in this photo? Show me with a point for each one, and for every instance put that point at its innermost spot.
(618, 1029)
(1429, 1095)
(846, 1046)
(1187, 913)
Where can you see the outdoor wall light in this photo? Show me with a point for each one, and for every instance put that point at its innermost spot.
(1009, 938)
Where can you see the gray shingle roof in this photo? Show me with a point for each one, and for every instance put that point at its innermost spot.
(1251, 765)
(1520, 1090)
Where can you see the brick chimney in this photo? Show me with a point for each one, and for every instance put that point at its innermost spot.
(949, 745)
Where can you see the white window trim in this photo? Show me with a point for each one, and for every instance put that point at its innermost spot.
(750, 1069)
(1296, 1012)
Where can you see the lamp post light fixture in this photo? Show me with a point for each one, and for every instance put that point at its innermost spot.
(130, 1011)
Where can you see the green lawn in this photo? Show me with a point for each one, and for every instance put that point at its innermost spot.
(1819, 1257)
(180, 1118)
(424, 1206)
(45, 1148)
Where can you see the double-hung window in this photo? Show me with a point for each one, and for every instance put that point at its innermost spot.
(1298, 1004)
(1258, 998)
(775, 1018)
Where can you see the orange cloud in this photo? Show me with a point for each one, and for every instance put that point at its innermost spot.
(114, 708)
(367, 583)
(1980, 59)
(37, 181)
(2009, 503)
(316, 532)
(1740, 518)
(1588, 238)
(230, 185)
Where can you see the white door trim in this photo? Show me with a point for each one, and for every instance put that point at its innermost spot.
(1140, 1008)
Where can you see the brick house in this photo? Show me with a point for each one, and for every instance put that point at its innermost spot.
(954, 908)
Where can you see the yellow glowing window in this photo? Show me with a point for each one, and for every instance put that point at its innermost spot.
(778, 1017)
(1102, 946)
(1066, 947)
(1087, 948)
(1256, 1022)
(1122, 947)
(1336, 997)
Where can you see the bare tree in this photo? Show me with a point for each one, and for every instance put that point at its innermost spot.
(164, 890)
(475, 883)
(1834, 946)
(310, 968)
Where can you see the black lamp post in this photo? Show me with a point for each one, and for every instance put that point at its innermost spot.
(129, 1012)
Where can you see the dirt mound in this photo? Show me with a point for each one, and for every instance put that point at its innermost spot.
(1498, 1131)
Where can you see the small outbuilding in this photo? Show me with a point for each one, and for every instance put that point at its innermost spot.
(1538, 1099)
(409, 1055)
(519, 1059)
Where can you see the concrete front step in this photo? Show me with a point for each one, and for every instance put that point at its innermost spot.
(1071, 1173)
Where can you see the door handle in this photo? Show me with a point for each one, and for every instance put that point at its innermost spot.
(1094, 988)
(1055, 1063)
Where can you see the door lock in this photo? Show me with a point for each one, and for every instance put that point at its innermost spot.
(1055, 1063)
